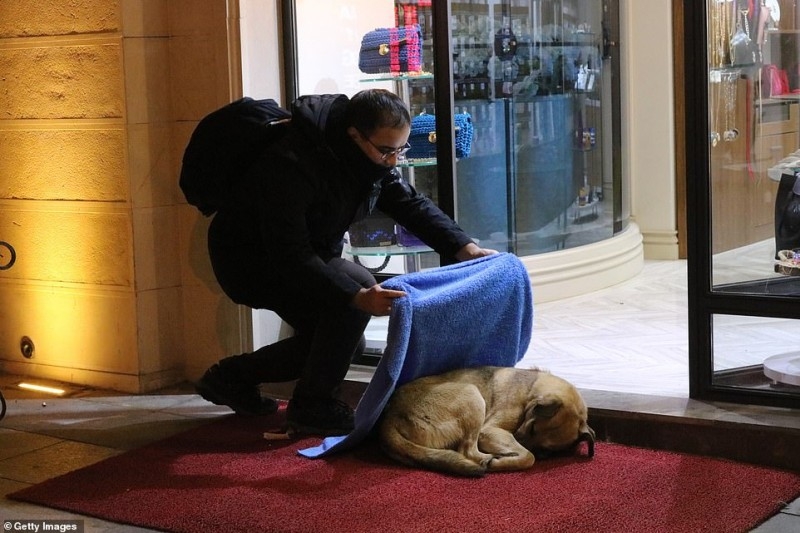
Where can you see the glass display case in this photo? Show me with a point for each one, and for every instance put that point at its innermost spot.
(536, 79)
(743, 200)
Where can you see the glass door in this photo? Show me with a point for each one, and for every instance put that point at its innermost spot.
(744, 200)
(525, 95)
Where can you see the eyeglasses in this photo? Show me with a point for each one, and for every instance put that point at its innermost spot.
(386, 153)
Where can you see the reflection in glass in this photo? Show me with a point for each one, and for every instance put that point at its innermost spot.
(535, 78)
(753, 146)
(756, 352)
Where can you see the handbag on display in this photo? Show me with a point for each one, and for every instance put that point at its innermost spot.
(744, 51)
(406, 238)
(406, 12)
(391, 50)
(423, 136)
(377, 229)
(774, 81)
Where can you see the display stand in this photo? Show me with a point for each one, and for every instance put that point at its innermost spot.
(784, 368)
(411, 253)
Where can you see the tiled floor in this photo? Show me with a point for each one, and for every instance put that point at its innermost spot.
(42, 437)
(624, 347)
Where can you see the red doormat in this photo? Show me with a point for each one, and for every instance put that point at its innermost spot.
(224, 477)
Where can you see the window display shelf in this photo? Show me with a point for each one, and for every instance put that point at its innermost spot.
(408, 76)
(411, 257)
(583, 210)
(426, 162)
(394, 249)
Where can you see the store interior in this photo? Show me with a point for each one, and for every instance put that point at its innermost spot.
(753, 93)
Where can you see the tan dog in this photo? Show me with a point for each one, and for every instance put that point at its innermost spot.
(470, 421)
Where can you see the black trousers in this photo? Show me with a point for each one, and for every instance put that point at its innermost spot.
(326, 336)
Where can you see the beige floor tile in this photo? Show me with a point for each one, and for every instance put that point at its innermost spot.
(51, 461)
(14, 443)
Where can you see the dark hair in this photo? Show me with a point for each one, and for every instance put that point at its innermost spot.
(371, 109)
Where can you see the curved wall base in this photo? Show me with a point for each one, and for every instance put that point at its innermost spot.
(576, 271)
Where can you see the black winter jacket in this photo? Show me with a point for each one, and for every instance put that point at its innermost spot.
(304, 193)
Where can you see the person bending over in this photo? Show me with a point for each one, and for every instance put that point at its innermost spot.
(280, 249)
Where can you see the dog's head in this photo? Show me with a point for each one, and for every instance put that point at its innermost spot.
(555, 419)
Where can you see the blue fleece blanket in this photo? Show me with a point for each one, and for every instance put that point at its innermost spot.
(475, 313)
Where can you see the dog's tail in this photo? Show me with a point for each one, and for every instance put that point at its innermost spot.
(408, 452)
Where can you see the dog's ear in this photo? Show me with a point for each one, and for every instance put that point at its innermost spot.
(546, 407)
(537, 408)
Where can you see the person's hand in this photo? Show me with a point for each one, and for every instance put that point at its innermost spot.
(473, 251)
(376, 300)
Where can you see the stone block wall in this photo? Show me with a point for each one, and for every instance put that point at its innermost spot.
(97, 100)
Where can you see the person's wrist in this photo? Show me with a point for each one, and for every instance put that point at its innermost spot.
(467, 251)
(355, 301)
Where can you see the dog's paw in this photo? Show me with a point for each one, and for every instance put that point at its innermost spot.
(499, 455)
(510, 461)
(499, 459)
(484, 459)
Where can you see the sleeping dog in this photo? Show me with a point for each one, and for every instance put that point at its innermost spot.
(471, 421)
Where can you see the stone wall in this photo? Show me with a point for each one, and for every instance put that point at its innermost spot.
(97, 100)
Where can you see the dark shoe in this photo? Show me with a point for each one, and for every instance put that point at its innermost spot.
(323, 417)
(243, 399)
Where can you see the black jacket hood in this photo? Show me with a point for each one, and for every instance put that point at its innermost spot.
(317, 117)
(322, 121)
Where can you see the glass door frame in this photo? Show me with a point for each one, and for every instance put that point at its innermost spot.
(703, 301)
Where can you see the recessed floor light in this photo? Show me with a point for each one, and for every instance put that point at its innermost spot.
(41, 388)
